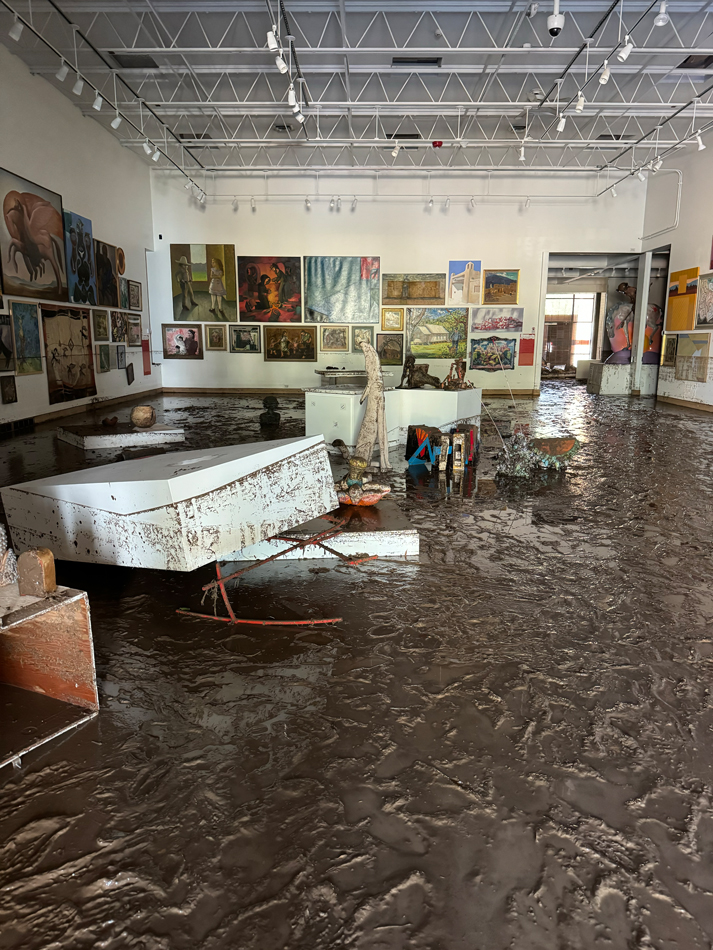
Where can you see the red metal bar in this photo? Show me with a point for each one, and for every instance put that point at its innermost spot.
(260, 623)
(222, 591)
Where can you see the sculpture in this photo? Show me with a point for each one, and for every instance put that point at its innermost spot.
(358, 488)
(8, 561)
(270, 417)
(143, 417)
(417, 376)
(456, 376)
(374, 422)
(522, 456)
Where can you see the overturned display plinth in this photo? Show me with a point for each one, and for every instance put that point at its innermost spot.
(118, 436)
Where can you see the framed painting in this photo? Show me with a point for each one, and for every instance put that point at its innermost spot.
(130, 374)
(79, 249)
(334, 339)
(692, 353)
(26, 337)
(360, 334)
(68, 348)
(107, 277)
(668, 350)
(7, 347)
(215, 337)
(100, 323)
(244, 339)
(120, 261)
(203, 282)
(497, 318)
(112, 357)
(182, 342)
(270, 289)
(704, 303)
(493, 353)
(103, 362)
(121, 356)
(390, 347)
(8, 390)
(342, 289)
(437, 333)
(682, 298)
(123, 293)
(392, 318)
(463, 282)
(290, 344)
(413, 290)
(135, 295)
(133, 330)
(501, 286)
(118, 327)
(31, 240)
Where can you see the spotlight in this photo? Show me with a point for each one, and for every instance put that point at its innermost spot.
(606, 73)
(613, 191)
(472, 202)
(396, 150)
(580, 103)
(308, 204)
(280, 63)
(188, 185)
(527, 204)
(252, 204)
(78, 86)
(662, 17)
(331, 205)
(640, 175)
(156, 155)
(202, 198)
(300, 118)
(626, 49)
(272, 39)
(116, 121)
(97, 104)
(291, 97)
(657, 164)
(430, 202)
(15, 31)
(522, 153)
(354, 204)
(235, 204)
(62, 72)
(448, 203)
(339, 204)
(701, 146)
(146, 147)
(296, 108)
(562, 122)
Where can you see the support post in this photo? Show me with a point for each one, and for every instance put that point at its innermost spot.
(642, 302)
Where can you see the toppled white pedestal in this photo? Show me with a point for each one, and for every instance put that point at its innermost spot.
(176, 511)
(122, 435)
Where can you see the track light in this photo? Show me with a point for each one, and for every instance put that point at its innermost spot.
(640, 175)
(623, 53)
(331, 205)
(188, 185)
(97, 104)
(562, 122)
(339, 204)
(472, 202)
(657, 164)
(527, 204)
(300, 118)
(308, 204)
(15, 31)
(580, 103)
(613, 191)
(662, 17)
(236, 204)
(701, 146)
(280, 63)
(146, 147)
(522, 153)
(448, 203)
(291, 97)
(296, 108)
(354, 204)
(397, 149)
(62, 72)
(272, 39)
(116, 121)
(252, 204)
(606, 73)
(156, 155)
(430, 202)
(202, 198)
(78, 86)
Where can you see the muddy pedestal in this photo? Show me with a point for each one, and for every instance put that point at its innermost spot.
(118, 436)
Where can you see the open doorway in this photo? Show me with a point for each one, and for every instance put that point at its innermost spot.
(569, 329)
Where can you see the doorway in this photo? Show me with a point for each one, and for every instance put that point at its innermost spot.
(569, 330)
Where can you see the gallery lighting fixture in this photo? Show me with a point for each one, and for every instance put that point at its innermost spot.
(188, 185)
(562, 122)
(430, 202)
(308, 204)
(291, 97)
(78, 86)
(280, 63)
(202, 198)
(62, 72)
(116, 121)
(527, 203)
(472, 202)
(236, 204)
(296, 108)
(146, 147)
(448, 203)
(156, 155)
(606, 73)
(97, 104)
(613, 191)
(272, 39)
(662, 17)
(300, 118)
(331, 205)
(252, 203)
(522, 153)
(354, 204)
(580, 103)
(397, 149)
(640, 175)
(657, 164)
(15, 31)
(701, 146)
(626, 49)
(339, 204)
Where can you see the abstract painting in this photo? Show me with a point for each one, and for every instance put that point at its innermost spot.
(120, 261)
(526, 356)
(704, 306)
(244, 339)
(68, 348)
(692, 355)
(681, 303)
(7, 349)
(31, 240)
(182, 342)
(203, 282)
(294, 344)
(135, 295)
(392, 318)
(334, 339)
(118, 327)
(103, 363)
(493, 353)
(81, 270)
(8, 390)
(216, 337)
(390, 347)
(415, 290)
(668, 350)
(123, 293)
(361, 334)
(463, 282)
(100, 319)
(497, 318)
(107, 278)
(270, 289)
(501, 286)
(121, 356)
(342, 289)
(26, 337)
(437, 333)
(133, 330)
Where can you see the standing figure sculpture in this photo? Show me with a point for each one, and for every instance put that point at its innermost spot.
(374, 422)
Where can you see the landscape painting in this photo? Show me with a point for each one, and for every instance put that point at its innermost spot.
(7, 349)
(463, 282)
(501, 286)
(81, 269)
(390, 347)
(107, 278)
(342, 289)
(290, 344)
(437, 333)
(26, 336)
(415, 290)
(497, 318)
(203, 282)
(68, 348)
(493, 353)
(270, 289)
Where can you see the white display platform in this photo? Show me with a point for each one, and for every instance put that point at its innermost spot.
(119, 436)
(336, 375)
(611, 379)
(176, 511)
(338, 414)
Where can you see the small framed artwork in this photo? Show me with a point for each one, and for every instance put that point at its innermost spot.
(120, 260)
(26, 334)
(501, 286)
(334, 339)
(100, 325)
(668, 350)
(7, 346)
(359, 335)
(133, 331)
(390, 347)
(103, 362)
(290, 343)
(135, 302)
(121, 357)
(123, 293)
(112, 358)
(130, 373)
(215, 337)
(182, 341)
(392, 318)
(118, 327)
(245, 339)
(8, 390)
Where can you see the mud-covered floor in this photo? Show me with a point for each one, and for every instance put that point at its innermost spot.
(509, 745)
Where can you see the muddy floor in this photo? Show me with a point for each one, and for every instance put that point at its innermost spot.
(508, 745)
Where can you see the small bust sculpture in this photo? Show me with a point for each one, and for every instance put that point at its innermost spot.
(270, 417)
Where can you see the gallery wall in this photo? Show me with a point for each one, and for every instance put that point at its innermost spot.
(54, 146)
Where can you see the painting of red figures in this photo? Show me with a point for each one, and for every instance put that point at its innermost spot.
(270, 289)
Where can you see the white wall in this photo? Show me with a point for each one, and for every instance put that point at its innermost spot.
(47, 140)
(396, 225)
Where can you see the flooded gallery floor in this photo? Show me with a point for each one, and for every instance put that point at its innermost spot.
(508, 745)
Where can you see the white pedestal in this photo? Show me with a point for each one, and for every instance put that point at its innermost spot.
(119, 436)
(610, 379)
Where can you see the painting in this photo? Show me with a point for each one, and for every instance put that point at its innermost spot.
(668, 350)
(463, 282)
(681, 302)
(31, 240)
(103, 362)
(390, 347)
(107, 278)
(270, 289)
(342, 289)
(216, 337)
(120, 261)
(68, 348)
(501, 286)
(290, 344)
(526, 356)
(392, 318)
(112, 357)
(135, 296)
(414, 290)
(692, 352)
(81, 269)
(493, 353)
(360, 334)
(203, 282)
(334, 339)
(123, 293)
(7, 348)
(121, 356)
(182, 342)
(100, 322)
(118, 327)
(133, 330)
(244, 339)
(8, 390)
(437, 333)
(704, 305)
(497, 318)
(26, 338)
(130, 374)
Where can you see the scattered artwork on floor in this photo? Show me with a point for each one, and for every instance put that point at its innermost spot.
(493, 353)
(668, 350)
(681, 302)
(135, 295)
(692, 353)
(107, 278)
(121, 356)
(244, 339)
(31, 240)
(26, 338)
(390, 347)
(103, 362)
(133, 330)
(342, 289)
(414, 290)
(215, 337)
(81, 269)
(290, 343)
(204, 283)
(437, 333)
(360, 334)
(68, 349)
(118, 327)
(392, 318)
(526, 356)
(120, 261)
(704, 305)
(183, 342)
(270, 289)
(8, 390)
(334, 339)
(7, 348)
(463, 282)
(497, 318)
(501, 286)
(100, 323)
(123, 293)
(130, 374)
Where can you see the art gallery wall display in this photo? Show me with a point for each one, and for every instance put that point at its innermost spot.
(120, 261)
(390, 347)
(290, 344)
(392, 319)
(204, 282)
(133, 330)
(123, 293)
(497, 318)
(182, 341)
(100, 324)
(501, 286)
(668, 350)
(8, 390)
(68, 350)
(359, 335)
(135, 295)
(112, 358)
(704, 303)
(103, 360)
(463, 282)
(121, 356)
(526, 356)
(245, 339)
(681, 301)
(342, 289)
(79, 253)
(415, 290)
(31, 240)
(334, 339)
(26, 338)
(436, 333)
(107, 277)
(270, 289)
(7, 347)
(216, 337)
(130, 373)
(118, 327)
(692, 354)
(493, 353)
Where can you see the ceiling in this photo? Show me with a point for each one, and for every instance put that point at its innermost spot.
(196, 79)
